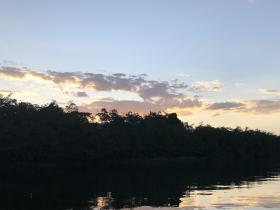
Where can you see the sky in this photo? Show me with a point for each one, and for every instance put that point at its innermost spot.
(213, 62)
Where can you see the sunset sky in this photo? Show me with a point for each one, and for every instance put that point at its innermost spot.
(211, 61)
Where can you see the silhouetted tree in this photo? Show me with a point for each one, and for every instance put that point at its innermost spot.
(49, 133)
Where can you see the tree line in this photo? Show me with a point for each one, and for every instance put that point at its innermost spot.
(52, 134)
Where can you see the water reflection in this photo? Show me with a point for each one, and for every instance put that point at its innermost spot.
(260, 195)
(194, 185)
(264, 194)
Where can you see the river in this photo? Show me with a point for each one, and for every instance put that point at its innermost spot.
(192, 186)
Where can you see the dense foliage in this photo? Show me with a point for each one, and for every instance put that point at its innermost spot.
(49, 133)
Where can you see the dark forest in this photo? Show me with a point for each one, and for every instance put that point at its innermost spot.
(51, 134)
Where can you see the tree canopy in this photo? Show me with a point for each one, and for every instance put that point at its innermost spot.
(49, 133)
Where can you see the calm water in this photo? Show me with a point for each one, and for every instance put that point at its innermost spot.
(146, 186)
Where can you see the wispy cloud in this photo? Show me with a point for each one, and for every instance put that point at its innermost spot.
(205, 86)
(216, 115)
(272, 92)
(256, 106)
(260, 106)
(226, 106)
(181, 74)
(80, 94)
(7, 91)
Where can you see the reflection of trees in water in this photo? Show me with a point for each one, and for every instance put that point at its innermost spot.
(101, 202)
(109, 202)
(138, 185)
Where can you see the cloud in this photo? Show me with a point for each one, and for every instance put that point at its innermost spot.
(9, 63)
(80, 94)
(256, 106)
(11, 73)
(181, 74)
(147, 89)
(122, 106)
(216, 115)
(271, 92)
(7, 91)
(159, 90)
(226, 106)
(162, 94)
(260, 106)
(204, 86)
(153, 95)
(141, 107)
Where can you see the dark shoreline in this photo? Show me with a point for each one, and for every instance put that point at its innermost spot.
(52, 135)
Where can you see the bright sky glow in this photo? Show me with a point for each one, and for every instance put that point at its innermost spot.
(215, 62)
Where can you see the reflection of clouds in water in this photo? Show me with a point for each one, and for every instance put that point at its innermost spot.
(264, 194)
(261, 195)
(265, 201)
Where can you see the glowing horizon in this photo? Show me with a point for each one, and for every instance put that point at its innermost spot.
(137, 93)
(215, 62)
